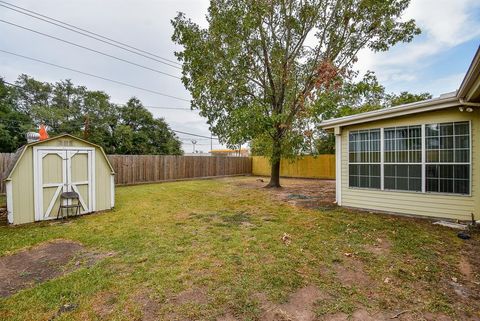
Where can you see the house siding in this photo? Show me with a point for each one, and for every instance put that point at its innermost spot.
(414, 203)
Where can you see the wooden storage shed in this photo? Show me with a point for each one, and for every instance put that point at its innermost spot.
(42, 170)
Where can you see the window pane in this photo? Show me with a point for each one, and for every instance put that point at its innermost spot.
(364, 150)
(432, 156)
(446, 129)
(353, 181)
(415, 171)
(461, 186)
(462, 142)
(432, 171)
(415, 184)
(389, 183)
(462, 128)
(432, 185)
(402, 170)
(432, 143)
(375, 182)
(462, 171)
(462, 156)
(446, 186)
(389, 170)
(446, 142)
(446, 156)
(415, 157)
(446, 171)
(431, 130)
(364, 181)
(448, 178)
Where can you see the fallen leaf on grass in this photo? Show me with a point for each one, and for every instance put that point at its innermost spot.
(286, 239)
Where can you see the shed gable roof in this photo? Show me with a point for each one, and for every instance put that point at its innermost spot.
(21, 151)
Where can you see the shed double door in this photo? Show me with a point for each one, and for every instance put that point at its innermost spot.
(58, 170)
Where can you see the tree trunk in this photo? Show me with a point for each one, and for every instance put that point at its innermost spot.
(276, 156)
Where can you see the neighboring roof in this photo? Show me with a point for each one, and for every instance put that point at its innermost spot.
(227, 150)
(19, 153)
(469, 92)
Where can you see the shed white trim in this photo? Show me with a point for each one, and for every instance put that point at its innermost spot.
(9, 190)
(112, 190)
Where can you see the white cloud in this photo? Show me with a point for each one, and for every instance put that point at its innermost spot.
(444, 23)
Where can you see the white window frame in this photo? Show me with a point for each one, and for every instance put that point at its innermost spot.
(366, 163)
(469, 163)
(423, 163)
(403, 163)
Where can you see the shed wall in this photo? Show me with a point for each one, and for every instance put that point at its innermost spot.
(22, 180)
(22, 189)
(416, 203)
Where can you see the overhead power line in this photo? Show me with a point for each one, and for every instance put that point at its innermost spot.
(191, 134)
(94, 76)
(90, 34)
(154, 107)
(89, 49)
(202, 137)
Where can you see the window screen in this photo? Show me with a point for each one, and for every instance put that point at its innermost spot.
(403, 158)
(448, 157)
(364, 158)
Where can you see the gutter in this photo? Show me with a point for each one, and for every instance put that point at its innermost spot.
(466, 103)
(433, 104)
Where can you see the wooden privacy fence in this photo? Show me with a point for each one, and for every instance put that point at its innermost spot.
(5, 160)
(135, 169)
(321, 166)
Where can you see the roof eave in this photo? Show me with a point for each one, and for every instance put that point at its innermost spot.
(470, 77)
(414, 108)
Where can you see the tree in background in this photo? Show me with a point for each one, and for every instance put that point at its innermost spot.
(13, 123)
(66, 108)
(255, 72)
(354, 98)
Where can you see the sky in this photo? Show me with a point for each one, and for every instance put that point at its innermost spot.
(433, 62)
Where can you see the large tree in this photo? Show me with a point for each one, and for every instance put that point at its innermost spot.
(254, 71)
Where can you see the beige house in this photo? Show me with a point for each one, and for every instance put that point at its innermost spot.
(417, 159)
(42, 170)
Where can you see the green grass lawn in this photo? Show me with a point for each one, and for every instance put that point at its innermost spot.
(224, 243)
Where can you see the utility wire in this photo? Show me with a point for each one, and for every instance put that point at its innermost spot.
(94, 76)
(17, 121)
(155, 107)
(88, 33)
(176, 131)
(186, 133)
(90, 49)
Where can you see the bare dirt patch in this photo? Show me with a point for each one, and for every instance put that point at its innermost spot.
(299, 307)
(148, 306)
(308, 193)
(380, 247)
(352, 274)
(42, 263)
(193, 295)
(362, 314)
